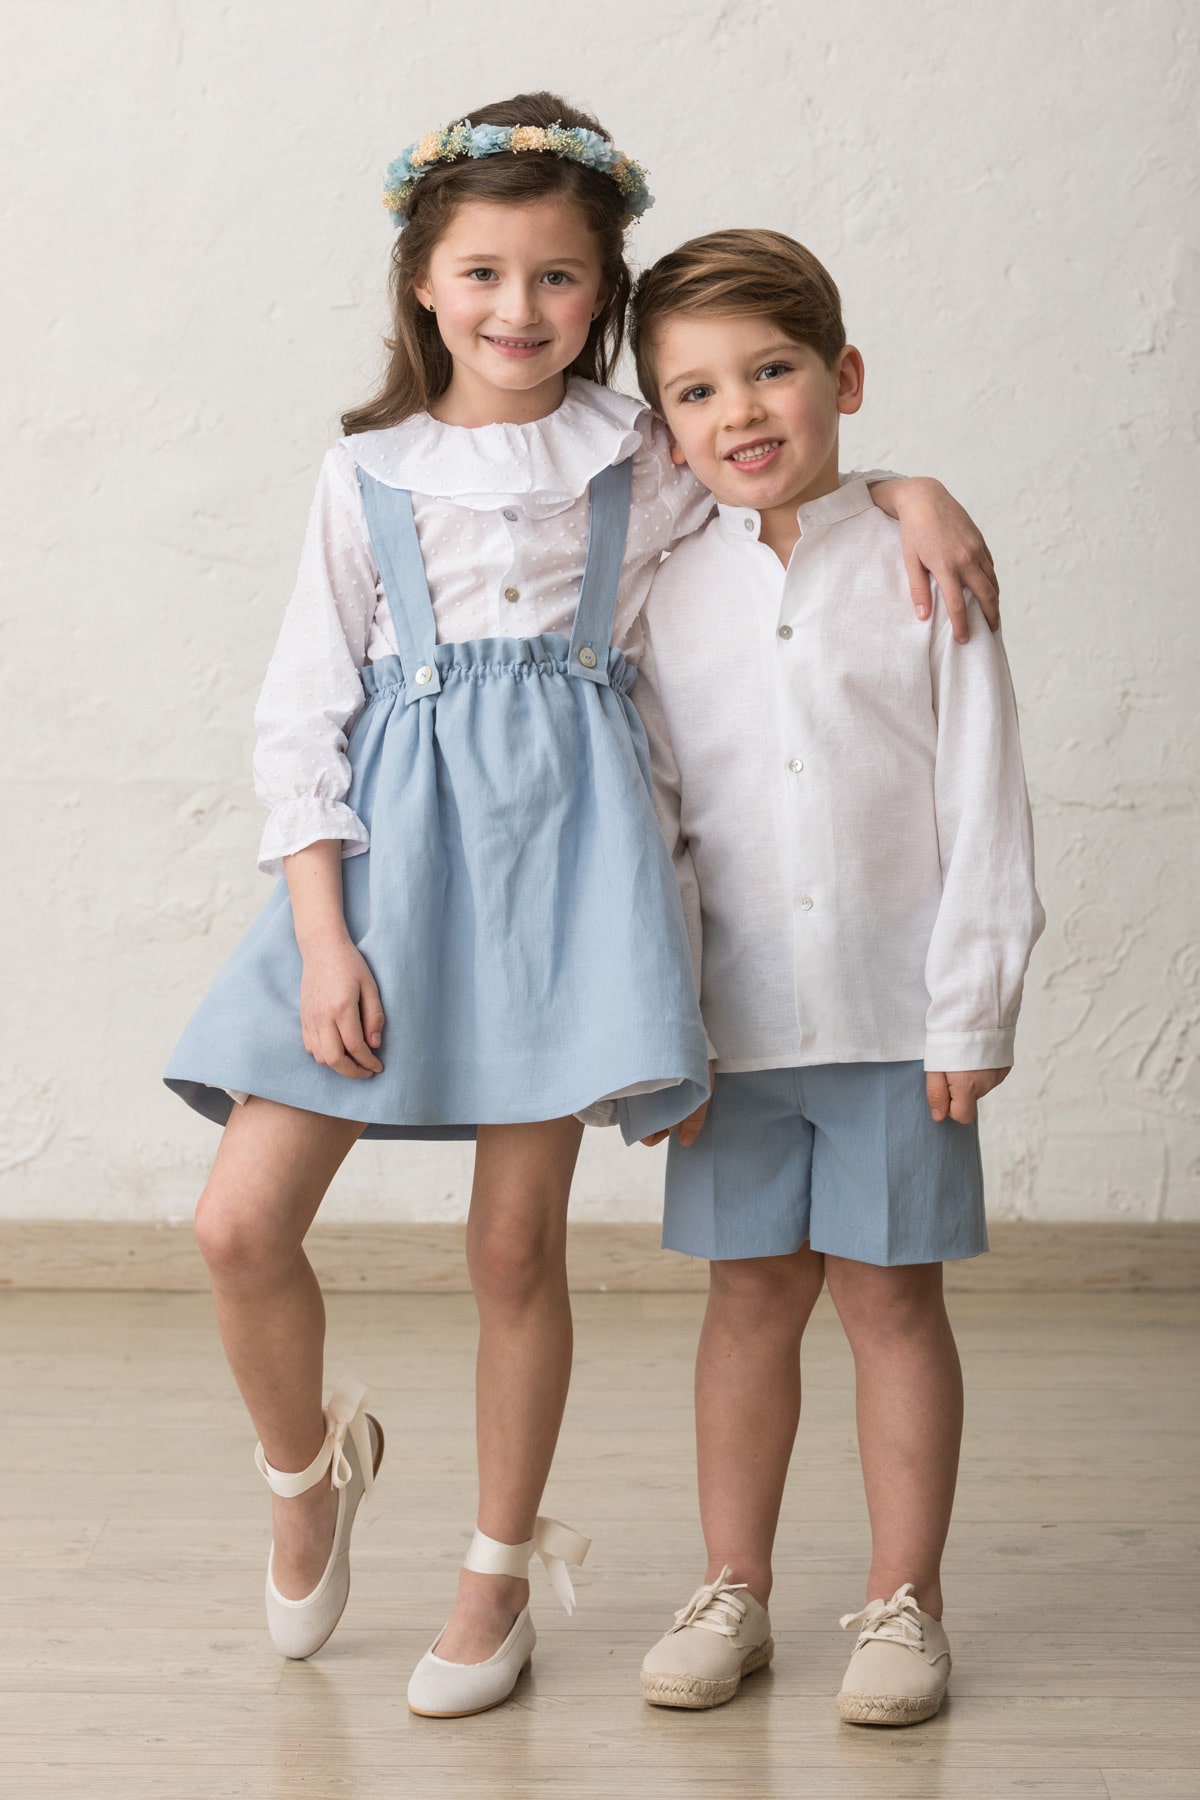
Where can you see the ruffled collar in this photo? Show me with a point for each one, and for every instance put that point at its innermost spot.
(544, 465)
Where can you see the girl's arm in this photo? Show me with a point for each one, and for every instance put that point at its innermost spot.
(940, 539)
(341, 1016)
(313, 689)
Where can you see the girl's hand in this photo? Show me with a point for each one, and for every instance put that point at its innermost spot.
(341, 1017)
(689, 1129)
(957, 1093)
(938, 538)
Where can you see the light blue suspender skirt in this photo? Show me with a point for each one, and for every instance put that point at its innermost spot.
(517, 906)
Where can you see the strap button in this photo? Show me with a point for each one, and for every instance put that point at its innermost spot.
(512, 593)
(424, 674)
(587, 657)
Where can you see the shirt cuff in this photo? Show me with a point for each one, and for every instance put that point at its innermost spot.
(962, 1050)
(295, 824)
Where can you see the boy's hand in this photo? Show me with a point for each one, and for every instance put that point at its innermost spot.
(956, 1093)
(938, 538)
(341, 1016)
(689, 1129)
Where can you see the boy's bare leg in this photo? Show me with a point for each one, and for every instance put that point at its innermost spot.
(748, 1405)
(910, 1408)
(516, 1255)
(271, 1172)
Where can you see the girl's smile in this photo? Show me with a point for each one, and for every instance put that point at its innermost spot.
(514, 290)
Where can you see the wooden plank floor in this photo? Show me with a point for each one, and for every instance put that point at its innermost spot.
(133, 1662)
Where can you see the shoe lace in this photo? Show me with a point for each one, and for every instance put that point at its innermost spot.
(896, 1621)
(715, 1606)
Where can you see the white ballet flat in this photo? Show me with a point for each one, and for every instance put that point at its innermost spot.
(448, 1690)
(354, 1446)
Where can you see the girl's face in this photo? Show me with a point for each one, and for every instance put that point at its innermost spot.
(515, 290)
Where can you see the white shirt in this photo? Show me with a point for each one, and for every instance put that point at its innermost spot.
(502, 518)
(846, 798)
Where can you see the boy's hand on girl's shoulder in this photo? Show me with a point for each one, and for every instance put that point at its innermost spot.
(955, 1092)
(688, 1129)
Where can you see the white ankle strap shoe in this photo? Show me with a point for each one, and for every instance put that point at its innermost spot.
(354, 1447)
(447, 1690)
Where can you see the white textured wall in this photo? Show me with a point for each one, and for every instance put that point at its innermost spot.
(195, 256)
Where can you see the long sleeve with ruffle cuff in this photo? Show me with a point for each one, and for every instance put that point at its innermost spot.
(295, 824)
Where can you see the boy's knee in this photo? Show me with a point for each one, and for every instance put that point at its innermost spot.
(891, 1302)
(769, 1289)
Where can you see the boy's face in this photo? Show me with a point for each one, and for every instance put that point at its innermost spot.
(752, 413)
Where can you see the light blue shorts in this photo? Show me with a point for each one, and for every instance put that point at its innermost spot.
(842, 1156)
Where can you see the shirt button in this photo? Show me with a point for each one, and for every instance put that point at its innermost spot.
(512, 593)
(749, 524)
(785, 631)
(806, 903)
(796, 766)
(424, 674)
(510, 515)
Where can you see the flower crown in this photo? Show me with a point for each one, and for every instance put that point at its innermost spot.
(573, 142)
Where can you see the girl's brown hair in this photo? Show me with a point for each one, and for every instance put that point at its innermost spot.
(738, 274)
(419, 365)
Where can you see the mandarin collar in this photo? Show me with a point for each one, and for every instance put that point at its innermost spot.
(851, 497)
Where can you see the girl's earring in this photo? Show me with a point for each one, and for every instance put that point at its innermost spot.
(432, 307)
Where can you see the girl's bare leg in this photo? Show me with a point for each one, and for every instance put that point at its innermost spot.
(910, 1408)
(516, 1255)
(748, 1405)
(271, 1172)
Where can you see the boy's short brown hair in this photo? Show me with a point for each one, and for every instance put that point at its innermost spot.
(738, 273)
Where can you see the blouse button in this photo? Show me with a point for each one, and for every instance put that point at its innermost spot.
(796, 766)
(512, 593)
(785, 631)
(749, 524)
(806, 903)
(510, 515)
(424, 674)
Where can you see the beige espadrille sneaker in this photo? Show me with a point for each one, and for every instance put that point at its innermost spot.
(900, 1666)
(719, 1636)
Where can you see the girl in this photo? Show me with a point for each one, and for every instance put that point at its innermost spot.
(479, 933)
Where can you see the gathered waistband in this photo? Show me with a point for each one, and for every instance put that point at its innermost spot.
(481, 659)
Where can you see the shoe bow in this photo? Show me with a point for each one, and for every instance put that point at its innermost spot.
(345, 1412)
(896, 1621)
(715, 1606)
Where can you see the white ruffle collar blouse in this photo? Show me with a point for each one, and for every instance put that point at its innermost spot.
(546, 464)
(502, 516)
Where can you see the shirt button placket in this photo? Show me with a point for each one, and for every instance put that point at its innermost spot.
(511, 593)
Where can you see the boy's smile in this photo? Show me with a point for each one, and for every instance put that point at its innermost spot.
(754, 414)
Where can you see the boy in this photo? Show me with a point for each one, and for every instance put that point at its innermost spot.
(848, 809)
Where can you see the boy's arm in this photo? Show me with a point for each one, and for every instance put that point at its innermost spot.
(940, 539)
(668, 803)
(990, 916)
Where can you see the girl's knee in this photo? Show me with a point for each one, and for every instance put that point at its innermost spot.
(236, 1248)
(511, 1266)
